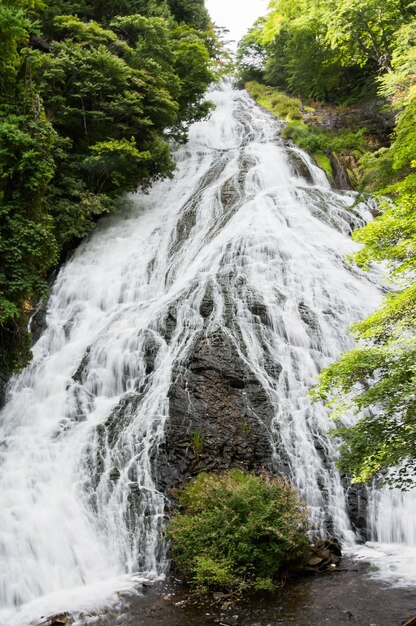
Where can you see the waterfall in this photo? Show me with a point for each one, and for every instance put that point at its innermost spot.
(248, 220)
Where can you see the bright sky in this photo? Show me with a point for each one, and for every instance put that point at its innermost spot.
(236, 15)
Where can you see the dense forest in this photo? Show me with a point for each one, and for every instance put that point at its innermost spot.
(92, 93)
(349, 53)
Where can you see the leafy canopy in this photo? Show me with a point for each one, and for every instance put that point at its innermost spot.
(377, 380)
(92, 93)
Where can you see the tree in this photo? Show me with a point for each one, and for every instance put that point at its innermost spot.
(27, 243)
(377, 380)
(326, 50)
(88, 110)
(362, 30)
(190, 12)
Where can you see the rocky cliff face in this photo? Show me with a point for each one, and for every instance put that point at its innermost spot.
(219, 415)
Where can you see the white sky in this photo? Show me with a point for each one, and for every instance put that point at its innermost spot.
(236, 15)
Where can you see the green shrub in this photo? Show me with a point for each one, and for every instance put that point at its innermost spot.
(236, 531)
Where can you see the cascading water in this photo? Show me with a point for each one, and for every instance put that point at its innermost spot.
(245, 218)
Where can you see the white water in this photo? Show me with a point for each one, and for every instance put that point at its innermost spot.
(392, 525)
(80, 512)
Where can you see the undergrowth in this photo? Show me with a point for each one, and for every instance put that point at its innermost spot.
(237, 531)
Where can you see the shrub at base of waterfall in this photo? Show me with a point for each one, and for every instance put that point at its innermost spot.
(237, 531)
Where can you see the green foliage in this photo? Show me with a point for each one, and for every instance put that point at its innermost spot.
(91, 95)
(197, 442)
(275, 101)
(318, 49)
(379, 376)
(377, 380)
(236, 531)
(191, 12)
(362, 30)
(318, 141)
(27, 243)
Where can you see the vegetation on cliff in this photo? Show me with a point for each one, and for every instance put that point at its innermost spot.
(359, 51)
(91, 95)
(379, 375)
(237, 531)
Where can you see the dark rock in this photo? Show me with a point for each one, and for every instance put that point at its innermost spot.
(219, 416)
(325, 555)
(244, 165)
(207, 304)
(61, 619)
(4, 380)
(298, 166)
(115, 474)
(78, 377)
(230, 193)
(357, 506)
(341, 178)
(169, 324)
(37, 323)
(186, 223)
(151, 349)
(259, 309)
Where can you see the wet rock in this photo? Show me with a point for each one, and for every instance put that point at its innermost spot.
(4, 379)
(245, 164)
(325, 555)
(207, 304)
(186, 223)
(298, 166)
(272, 368)
(119, 419)
(357, 506)
(114, 474)
(151, 349)
(169, 324)
(78, 377)
(341, 178)
(219, 416)
(61, 619)
(230, 193)
(308, 316)
(259, 309)
(37, 322)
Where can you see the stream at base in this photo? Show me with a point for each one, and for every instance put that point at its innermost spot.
(349, 596)
(245, 249)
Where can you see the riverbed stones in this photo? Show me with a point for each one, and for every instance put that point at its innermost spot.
(324, 555)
